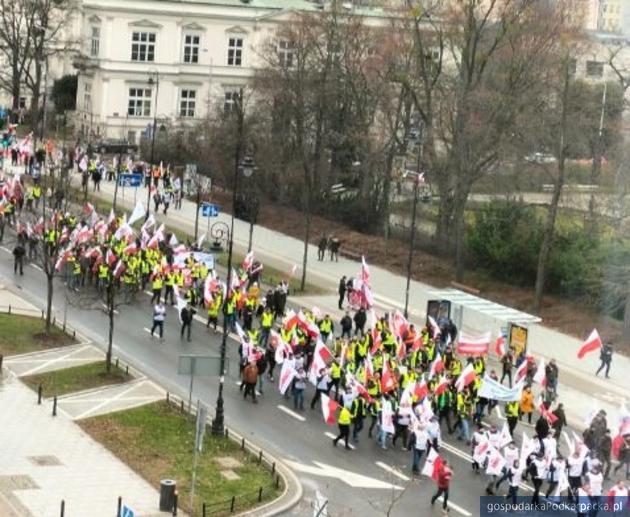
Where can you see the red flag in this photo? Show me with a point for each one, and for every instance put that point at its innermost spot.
(119, 269)
(499, 346)
(387, 379)
(441, 386)
(432, 465)
(377, 341)
(592, 343)
(521, 372)
(329, 406)
(551, 418)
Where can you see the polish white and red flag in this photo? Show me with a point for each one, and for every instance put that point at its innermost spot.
(499, 346)
(110, 258)
(287, 373)
(420, 390)
(465, 378)
(432, 465)
(436, 366)
(158, 237)
(365, 271)
(329, 406)
(540, 377)
(473, 344)
(521, 371)
(592, 343)
(291, 320)
(387, 378)
(248, 261)
(307, 326)
(88, 208)
(377, 340)
(119, 269)
(131, 248)
(63, 258)
(321, 358)
(551, 418)
(441, 386)
(149, 223)
(400, 325)
(435, 328)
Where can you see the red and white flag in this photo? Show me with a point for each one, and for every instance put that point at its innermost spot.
(119, 269)
(321, 358)
(551, 418)
(131, 248)
(387, 378)
(465, 378)
(473, 345)
(248, 261)
(365, 271)
(499, 346)
(420, 390)
(435, 328)
(110, 258)
(540, 377)
(399, 325)
(441, 386)
(432, 465)
(592, 343)
(329, 406)
(88, 208)
(521, 372)
(150, 222)
(436, 366)
(291, 320)
(287, 374)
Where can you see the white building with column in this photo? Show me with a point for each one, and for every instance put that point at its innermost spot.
(203, 51)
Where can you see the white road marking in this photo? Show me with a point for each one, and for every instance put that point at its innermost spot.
(3, 248)
(291, 413)
(391, 470)
(106, 401)
(53, 361)
(105, 307)
(499, 412)
(37, 267)
(455, 507)
(347, 476)
(332, 437)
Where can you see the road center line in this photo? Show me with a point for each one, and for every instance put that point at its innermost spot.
(291, 413)
(391, 470)
(37, 267)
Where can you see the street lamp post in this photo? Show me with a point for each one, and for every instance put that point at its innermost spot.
(152, 82)
(247, 168)
(412, 237)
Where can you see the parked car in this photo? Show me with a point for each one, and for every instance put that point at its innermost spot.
(115, 146)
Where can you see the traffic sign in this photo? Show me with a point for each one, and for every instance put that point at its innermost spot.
(129, 180)
(127, 512)
(209, 210)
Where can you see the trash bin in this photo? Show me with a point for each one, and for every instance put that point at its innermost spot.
(167, 495)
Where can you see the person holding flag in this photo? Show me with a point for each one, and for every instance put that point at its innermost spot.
(442, 474)
(343, 421)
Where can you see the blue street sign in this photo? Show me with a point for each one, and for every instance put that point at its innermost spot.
(209, 210)
(129, 180)
(127, 512)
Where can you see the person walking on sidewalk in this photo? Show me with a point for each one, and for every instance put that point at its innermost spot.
(18, 256)
(605, 356)
(159, 315)
(445, 474)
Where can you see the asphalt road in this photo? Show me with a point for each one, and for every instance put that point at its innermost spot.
(364, 481)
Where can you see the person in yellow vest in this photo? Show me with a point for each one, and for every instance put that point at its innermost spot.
(156, 286)
(266, 322)
(37, 195)
(213, 312)
(511, 414)
(169, 282)
(344, 420)
(326, 328)
(103, 277)
(335, 378)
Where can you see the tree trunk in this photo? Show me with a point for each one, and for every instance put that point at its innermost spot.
(35, 98)
(49, 299)
(16, 87)
(442, 236)
(307, 236)
(460, 229)
(110, 313)
(626, 319)
(545, 248)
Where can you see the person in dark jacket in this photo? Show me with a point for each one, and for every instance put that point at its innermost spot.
(342, 291)
(605, 356)
(560, 422)
(18, 256)
(359, 321)
(187, 316)
(604, 449)
(346, 325)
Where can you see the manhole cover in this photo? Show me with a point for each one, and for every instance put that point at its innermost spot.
(45, 461)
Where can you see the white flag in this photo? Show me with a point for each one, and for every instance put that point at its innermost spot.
(148, 223)
(496, 462)
(286, 376)
(137, 214)
(173, 240)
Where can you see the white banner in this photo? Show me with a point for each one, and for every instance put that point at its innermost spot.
(491, 389)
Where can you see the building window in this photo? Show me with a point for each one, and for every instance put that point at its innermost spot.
(143, 46)
(191, 48)
(95, 41)
(131, 137)
(87, 97)
(235, 51)
(187, 101)
(231, 97)
(594, 69)
(139, 102)
(286, 50)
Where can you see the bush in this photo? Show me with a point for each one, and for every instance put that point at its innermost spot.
(505, 238)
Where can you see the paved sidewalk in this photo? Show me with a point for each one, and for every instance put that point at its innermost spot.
(45, 459)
